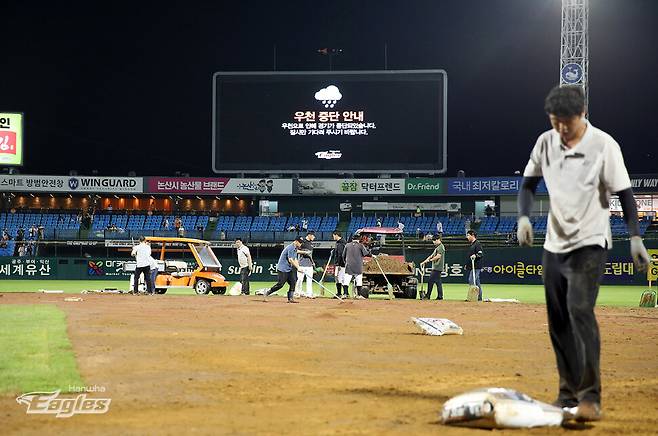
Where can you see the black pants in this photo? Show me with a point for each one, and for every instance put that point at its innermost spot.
(147, 278)
(283, 278)
(435, 278)
(244, 279)
(571, 281)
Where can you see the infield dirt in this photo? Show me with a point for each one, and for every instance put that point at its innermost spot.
(237, 365)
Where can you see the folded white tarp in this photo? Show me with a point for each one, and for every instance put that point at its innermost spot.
(437, 326)
(499, 408)
(501, 300)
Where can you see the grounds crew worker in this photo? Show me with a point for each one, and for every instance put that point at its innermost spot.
(438, 263)
(339, 263)
(246, 265)
(142, 254)
(581, 166)
(354, 253)
(305, 257)
(474, 257)
(284, 268)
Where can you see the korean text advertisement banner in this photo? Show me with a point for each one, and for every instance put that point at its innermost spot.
(218, 185)
(11, 138)
(487, 186)
(351, 186)
(71, 184)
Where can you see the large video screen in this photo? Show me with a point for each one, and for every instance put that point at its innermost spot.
(327, 122)
(11, 139)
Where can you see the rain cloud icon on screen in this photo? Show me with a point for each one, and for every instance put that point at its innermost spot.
(329, 96)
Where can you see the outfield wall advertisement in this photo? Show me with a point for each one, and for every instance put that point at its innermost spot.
(218, 185)
(501, 265)
(71, 184)
(351, 186)
(430, 187)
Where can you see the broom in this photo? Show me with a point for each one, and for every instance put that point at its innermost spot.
(473, 290)
(389, 287)
(324, 272)
(648, 298)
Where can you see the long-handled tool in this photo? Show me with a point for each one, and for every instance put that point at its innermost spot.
(389, 287)
(473, 290)
(421, 292)
(324, 287)
(325, 272)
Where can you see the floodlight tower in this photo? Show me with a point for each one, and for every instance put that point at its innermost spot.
(574, 45)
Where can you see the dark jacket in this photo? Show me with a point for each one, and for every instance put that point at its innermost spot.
(476, 249)
(305, 259)
(338, 252)
(353, 255)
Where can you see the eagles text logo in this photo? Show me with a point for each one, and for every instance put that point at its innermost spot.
(49, 403)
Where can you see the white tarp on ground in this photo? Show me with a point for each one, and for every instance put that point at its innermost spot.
(499, 408)
(437, 326)
(236, 289)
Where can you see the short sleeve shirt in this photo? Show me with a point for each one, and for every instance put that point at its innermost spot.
(439, 264)
(305, 260)
(290, 252)
(579, 182)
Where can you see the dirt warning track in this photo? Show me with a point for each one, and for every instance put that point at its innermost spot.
(236, 365)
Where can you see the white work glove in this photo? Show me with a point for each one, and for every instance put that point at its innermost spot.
(524, 231)
(639, 253)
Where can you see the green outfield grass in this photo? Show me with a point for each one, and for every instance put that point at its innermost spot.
(609, 295)
(35, 352)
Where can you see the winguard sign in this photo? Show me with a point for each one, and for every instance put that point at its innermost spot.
(71, 184)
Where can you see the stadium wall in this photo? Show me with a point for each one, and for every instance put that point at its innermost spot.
(502, 265)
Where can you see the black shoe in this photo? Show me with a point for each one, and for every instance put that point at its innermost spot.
(568, 403)
(293, 301)
(588, 411)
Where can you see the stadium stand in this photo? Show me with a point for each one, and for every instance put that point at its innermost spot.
(488, 225)
(65, 226)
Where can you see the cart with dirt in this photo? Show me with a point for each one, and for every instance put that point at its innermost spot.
(389, 270)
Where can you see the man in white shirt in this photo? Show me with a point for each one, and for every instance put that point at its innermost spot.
(246, 264)
(581, 166)
(142, 254)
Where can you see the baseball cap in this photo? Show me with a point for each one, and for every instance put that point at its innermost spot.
(300, 240)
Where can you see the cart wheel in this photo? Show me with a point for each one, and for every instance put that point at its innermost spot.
(410, 292)
(218, 291)
(202, 287)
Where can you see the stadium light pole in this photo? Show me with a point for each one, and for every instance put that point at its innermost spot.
(574, 46)
(331, 52)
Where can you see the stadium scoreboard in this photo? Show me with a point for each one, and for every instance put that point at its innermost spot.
(330, 122)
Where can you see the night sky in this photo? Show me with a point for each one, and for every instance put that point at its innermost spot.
(127, 86)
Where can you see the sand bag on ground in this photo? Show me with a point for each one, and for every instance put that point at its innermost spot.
(648, 299)
(499, 408)
(437, 326)
(236, 289)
